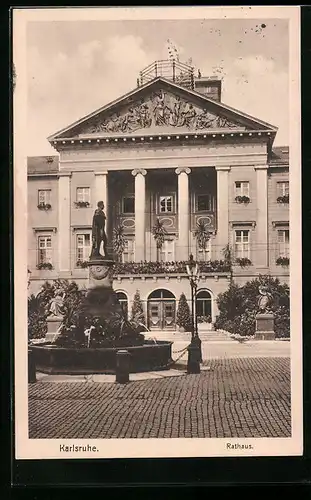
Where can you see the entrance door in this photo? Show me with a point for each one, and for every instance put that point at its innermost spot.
(161, 310)
(168, 314)
(154, 315)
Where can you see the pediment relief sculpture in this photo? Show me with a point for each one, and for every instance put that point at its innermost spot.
(161, 109)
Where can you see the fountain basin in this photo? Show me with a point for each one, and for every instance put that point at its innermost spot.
(56, 360)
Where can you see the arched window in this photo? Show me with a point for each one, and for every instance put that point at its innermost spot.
(122, 298)
(204, 303)
(161, 294)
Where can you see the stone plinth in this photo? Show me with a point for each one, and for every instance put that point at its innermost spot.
(53, 322)
(265, 327)
(100, 272)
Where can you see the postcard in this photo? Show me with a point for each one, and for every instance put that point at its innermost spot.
(157, 232)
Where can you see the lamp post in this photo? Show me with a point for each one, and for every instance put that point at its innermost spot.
(194, 349)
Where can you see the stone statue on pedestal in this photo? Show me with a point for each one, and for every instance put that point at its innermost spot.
(265, 316)
(56, 315)
(56, 306)
(264, 300)
(98, 232)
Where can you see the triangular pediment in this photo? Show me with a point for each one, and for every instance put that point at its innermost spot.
(161, 107)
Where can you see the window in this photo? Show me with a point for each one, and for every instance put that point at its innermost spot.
(166, 204)
(242, 188)
(204, 254)
(128, 254)
(83, 194)
(283, 242)
(166, 253)
(44, 196)
(242, 244)
(44, 250)
(122, 298)
(128, 205)
(204, 203)
(203, 303)
(283, 188)
(83, 247)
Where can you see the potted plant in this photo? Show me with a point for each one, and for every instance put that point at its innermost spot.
(283, 199)
(204, 322)
(202, 234)
(44, 206)
(45, 265)
(118, 241)
(227, 253)
(82, 204)
(242, 199)
(81, 263)
(159, 232)
(282, 261)
(243, 261)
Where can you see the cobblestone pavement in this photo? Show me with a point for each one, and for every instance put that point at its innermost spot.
(235, 398)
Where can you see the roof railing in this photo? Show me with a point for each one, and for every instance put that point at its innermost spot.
(173, 70)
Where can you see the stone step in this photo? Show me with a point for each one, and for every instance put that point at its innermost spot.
(180, 336)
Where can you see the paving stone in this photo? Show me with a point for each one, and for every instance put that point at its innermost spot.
(241, 397)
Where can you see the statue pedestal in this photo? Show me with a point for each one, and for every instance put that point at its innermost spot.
(100, 272)
(265, 326)
(54, 323)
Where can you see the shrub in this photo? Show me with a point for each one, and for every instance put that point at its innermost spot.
(38, 309)
(183, 318)
(238, 307)
(138, 315)
(37, 325)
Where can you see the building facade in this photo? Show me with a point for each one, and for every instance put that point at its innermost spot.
(170, 161)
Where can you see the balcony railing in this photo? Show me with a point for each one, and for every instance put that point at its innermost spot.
(169, 268)
(178, 72)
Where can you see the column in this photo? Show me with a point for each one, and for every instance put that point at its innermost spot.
(101, 192)
(183, 213)
(101, 187)
(261, 254)
(140, 202)
(222, 208)
(64, 246)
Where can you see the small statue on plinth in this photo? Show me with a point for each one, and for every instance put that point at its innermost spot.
(56, 305)
(265, 316)
(264, 300)
(98, 232)
(55, 317)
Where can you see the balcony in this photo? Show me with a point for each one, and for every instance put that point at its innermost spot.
(169, 268)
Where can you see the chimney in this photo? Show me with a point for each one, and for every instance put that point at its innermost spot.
(210, 86)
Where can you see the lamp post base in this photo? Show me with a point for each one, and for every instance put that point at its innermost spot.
(194, 357)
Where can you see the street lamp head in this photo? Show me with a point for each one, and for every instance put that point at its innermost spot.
(192, 267)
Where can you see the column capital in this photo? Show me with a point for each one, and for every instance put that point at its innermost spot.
(64, 174)
(261, 167)
(181, 170)
(222, 168)
(141, 171)
(102, 172)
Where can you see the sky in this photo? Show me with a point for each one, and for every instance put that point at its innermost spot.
(76, 67)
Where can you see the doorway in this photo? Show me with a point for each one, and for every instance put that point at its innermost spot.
(161, 310)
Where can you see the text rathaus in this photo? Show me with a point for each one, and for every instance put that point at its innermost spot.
(171, 162)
